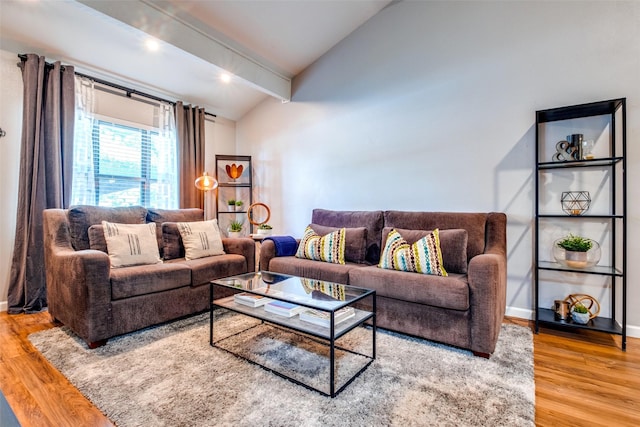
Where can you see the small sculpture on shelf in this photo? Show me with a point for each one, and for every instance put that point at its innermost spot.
(576, 252)
(234, 171)
(575, 203)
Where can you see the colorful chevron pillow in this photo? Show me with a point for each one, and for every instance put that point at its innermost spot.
(424, 256)
(329, 248)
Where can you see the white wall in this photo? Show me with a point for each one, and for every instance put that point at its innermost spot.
(11, 122)
(431, 106)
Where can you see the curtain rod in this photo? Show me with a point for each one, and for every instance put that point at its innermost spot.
(128, 91)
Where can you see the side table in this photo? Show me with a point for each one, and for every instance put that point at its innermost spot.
(257, 238)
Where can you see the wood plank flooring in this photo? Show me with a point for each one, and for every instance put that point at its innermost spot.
(582, 379)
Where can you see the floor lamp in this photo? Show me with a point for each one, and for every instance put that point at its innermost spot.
(206, 183)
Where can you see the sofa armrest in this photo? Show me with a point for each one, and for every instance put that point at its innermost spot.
(267, 253)
(241, 246)
(78, 285)
(487, 276)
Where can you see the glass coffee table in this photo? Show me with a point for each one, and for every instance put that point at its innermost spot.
(316, 310)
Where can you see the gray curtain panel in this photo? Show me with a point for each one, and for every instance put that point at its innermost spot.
(45, 173)
(190, 135)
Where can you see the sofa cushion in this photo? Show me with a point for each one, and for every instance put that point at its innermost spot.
(371, 220)
(172, 247)
(474, 223)
(82, 217)
(96, 238)
(453, 245)
(160, 216)
(127, 282)
(200, 239)
(338, 273)
(423, 256)
(204, 270)
(355, 247)
(328, 248)
(131, 244)
(451, 292)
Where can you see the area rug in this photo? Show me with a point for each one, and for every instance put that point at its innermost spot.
(170, 376)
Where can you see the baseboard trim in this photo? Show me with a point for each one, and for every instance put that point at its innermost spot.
(521, 313)
(4, 306)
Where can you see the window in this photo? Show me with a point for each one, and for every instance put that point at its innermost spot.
(127, 163)
(123, 163)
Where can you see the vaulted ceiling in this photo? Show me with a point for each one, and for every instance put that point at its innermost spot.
(261, 44)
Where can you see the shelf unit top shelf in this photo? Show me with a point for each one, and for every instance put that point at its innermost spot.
(579, 111)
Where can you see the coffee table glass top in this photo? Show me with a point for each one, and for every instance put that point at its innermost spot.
(312, 293)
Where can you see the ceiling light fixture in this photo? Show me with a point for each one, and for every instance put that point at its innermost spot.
(226, 78)
(152, 45)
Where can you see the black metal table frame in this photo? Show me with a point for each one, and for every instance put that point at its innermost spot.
(331, 342)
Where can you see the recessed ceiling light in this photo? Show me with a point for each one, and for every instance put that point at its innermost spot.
(152, 45)
(225, 77)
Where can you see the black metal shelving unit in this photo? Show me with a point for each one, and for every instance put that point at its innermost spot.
(615, 165)
(238, 188)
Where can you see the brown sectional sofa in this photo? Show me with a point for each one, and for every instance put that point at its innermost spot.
(464, 309)
(98, 302)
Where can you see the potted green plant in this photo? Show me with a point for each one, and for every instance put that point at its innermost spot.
(265, 229)
(235, 228)
(231, 205)
(239, 204)
(580, 313)
(576, 251)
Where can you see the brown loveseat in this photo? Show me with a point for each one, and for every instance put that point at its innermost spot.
(464, 309)
(98, 302)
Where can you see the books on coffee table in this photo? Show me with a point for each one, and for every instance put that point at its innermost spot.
(323, 318)
(251, 300)
(283, 308)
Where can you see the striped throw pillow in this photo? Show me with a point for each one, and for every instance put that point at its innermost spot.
(329, 248)
(200, 239)
(424, 256)
(131, 244)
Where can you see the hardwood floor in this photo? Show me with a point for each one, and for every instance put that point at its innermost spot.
(581, 379)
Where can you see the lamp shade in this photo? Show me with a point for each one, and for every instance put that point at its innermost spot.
(206, 183)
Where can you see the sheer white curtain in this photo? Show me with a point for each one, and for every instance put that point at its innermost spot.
(164, 192)
(83, 187)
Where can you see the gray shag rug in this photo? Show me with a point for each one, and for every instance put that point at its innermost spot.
(169, 375)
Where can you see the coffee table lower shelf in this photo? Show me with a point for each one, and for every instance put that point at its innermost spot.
(310, 331)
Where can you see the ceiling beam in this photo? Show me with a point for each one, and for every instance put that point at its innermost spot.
(168, 27)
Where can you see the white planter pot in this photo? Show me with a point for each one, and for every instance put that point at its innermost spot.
(576, 259)
(263, 232)
(231, 208)
(234, 234)
(582, 318)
